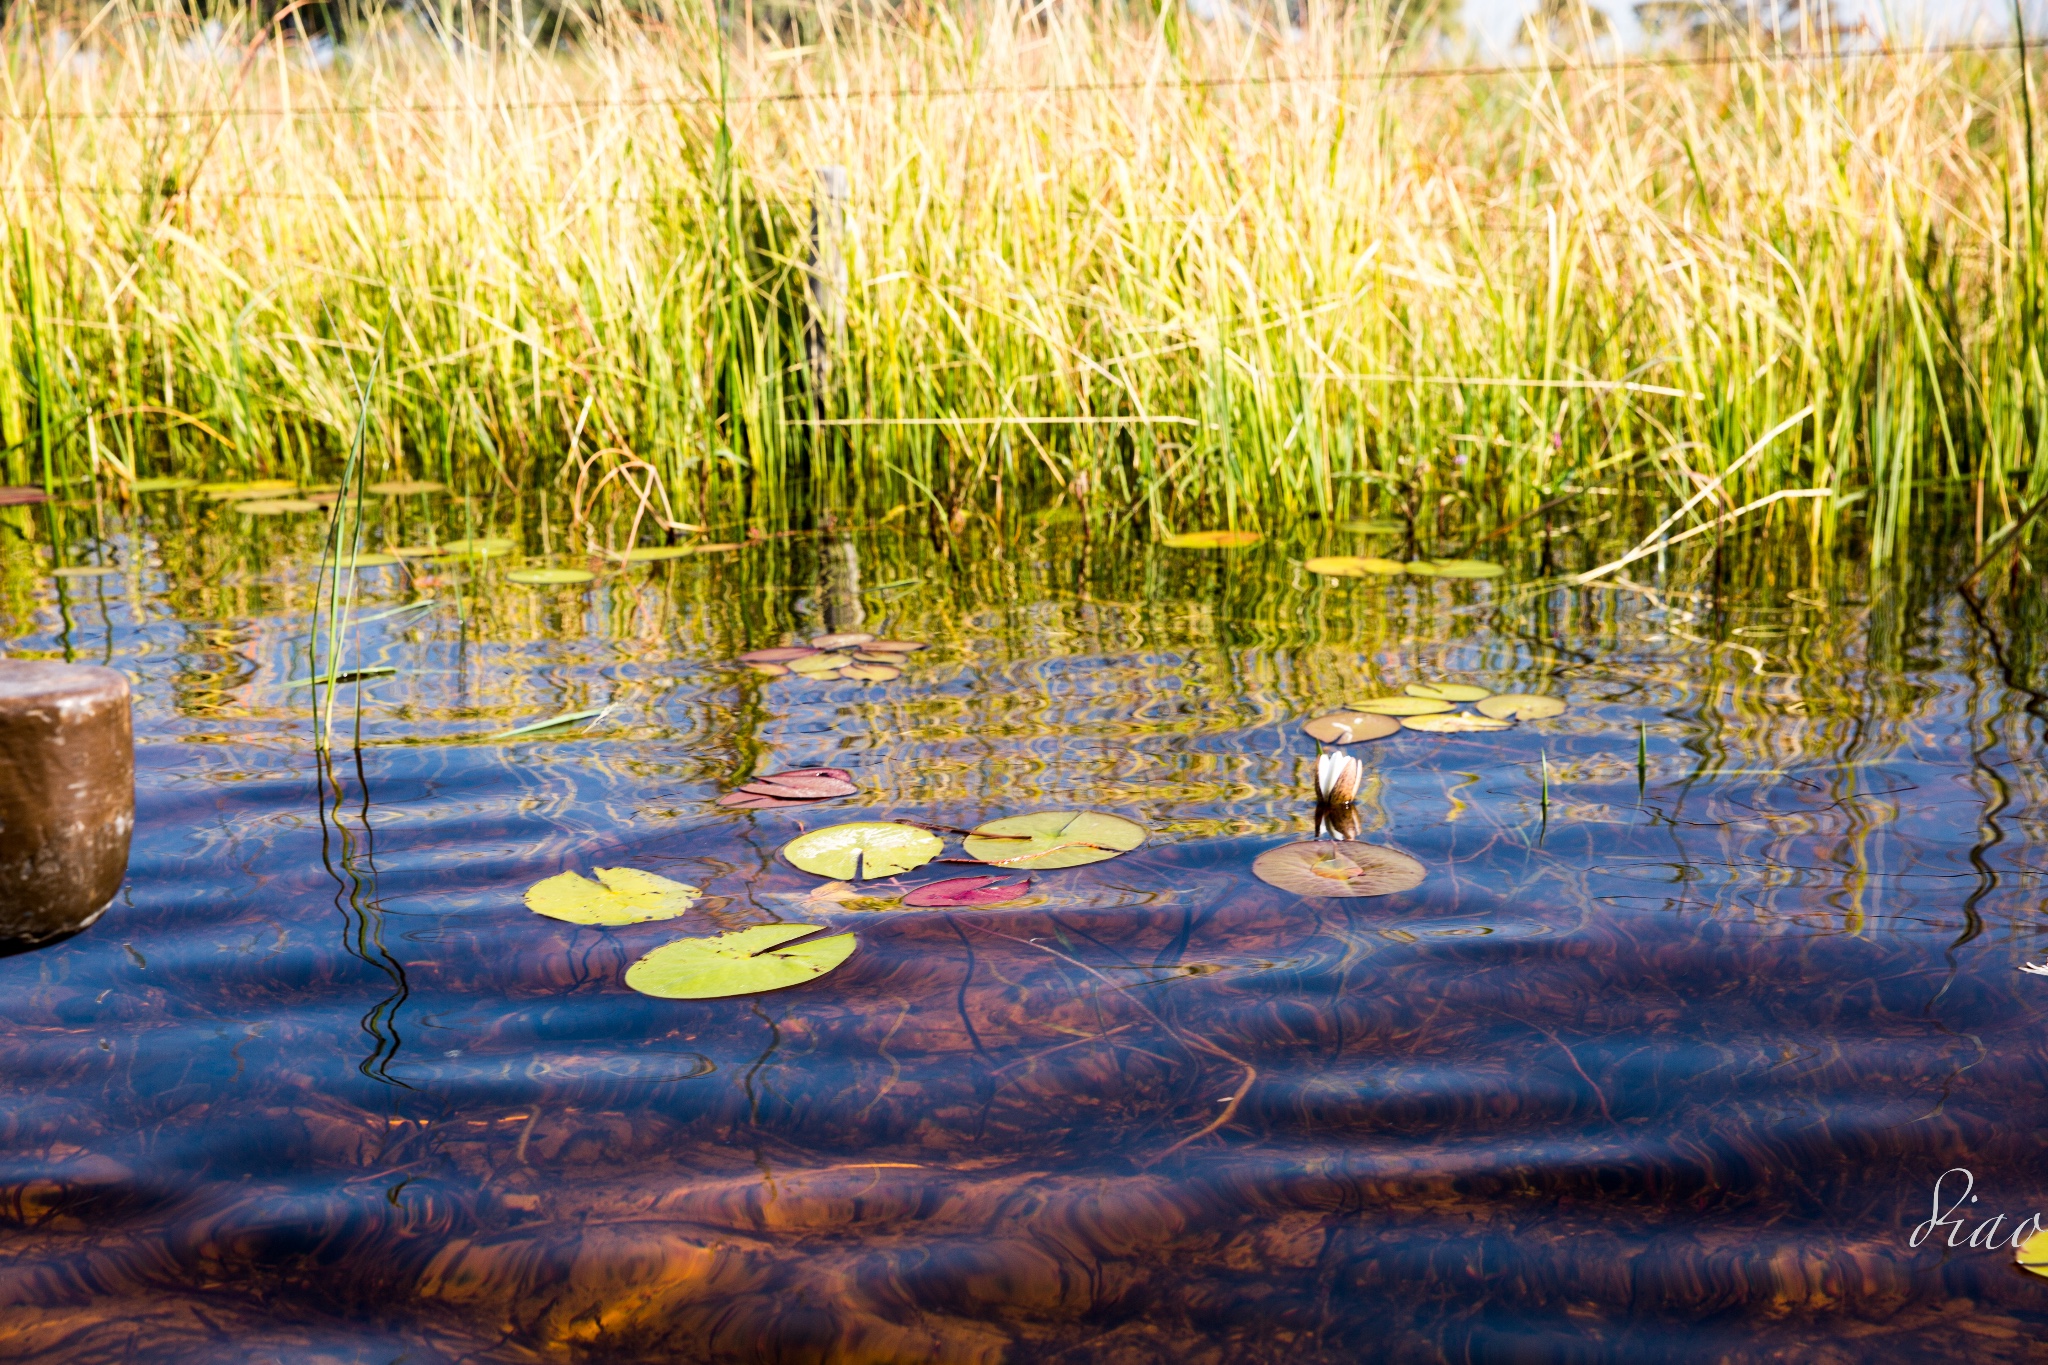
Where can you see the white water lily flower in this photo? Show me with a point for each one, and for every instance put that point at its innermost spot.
(2037, 968)
(1338, 777)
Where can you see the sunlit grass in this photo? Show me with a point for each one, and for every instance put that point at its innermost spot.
(1177, 276)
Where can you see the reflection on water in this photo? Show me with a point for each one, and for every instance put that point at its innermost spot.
(1663, 1070)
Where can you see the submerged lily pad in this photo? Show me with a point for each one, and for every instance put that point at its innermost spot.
(1456, 568)
(166, 485)
(745, 962)
(863, 849)
(1354, 566)
(1522, 706)
(1455, 723)
(621, 895)
(1448, 691)
(1330, 868)
(1350, 727)
(1212, 540)
(960, 891)
(1401, 706)
(345, 676)
(1054, 838)
(395, 488)
(543, 577)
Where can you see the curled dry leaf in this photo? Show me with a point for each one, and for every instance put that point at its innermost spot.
(626, 895)
(778, 656)
(1354, 566)
(547, 577)
(1212, 540)
(819, 663)
(1447, 691)
(1350, 727)
(843, 640)
(1053, 839)
(745, 962)
(1318, 868)
(862, 850)
(967, 891)
(1522, 706)
(1456, 723)
(871, 672)
(1401, 706)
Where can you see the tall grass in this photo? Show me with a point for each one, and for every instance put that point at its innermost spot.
(1173, 274)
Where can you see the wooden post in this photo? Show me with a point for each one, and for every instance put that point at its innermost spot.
(67, 797)
(827, 268)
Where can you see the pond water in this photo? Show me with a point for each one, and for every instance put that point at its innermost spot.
(1664, 1065)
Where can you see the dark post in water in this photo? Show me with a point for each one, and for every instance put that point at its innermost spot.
(67, 797)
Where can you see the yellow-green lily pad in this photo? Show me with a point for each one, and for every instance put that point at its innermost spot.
(1212, 540)
(1354, 566)
(620, 895)
(1053, 839)
(1456, 568)
(398, 488)
(1522, 706)
(165, 485)
(1448, 691)
(744, 962)
(478, 547)
(549, 577)
(1456, 723)
(863, 849)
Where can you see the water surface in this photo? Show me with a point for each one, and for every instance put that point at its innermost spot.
(1665, 1068)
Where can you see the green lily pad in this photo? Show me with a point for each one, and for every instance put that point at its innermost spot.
(1054, 839)
(745, 962)
(1354, 566)
(621, 895)
(1380, 526)
(641, 553)
(863, 849)
(1456, 568)
(1448, 691)
(548, 577)
(1401, 706)
(478, 547)
(1522, 706)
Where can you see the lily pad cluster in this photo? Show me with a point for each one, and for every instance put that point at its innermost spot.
(1043, 841)
(846, 654)
(1433, 709)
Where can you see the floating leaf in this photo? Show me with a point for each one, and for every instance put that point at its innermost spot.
(778, 656)
(896, 646)
(842, 640)
(85, 571)
(640, 554)
(745, 962)
(166, 485)
(1522, 706)
(728, 545)
(255, 488)
(799, 787)
(1353, 566)
(272, 507)
(418, 551)
(1053, 839)
(1447, 691)
(863, 849)
(770, 670)
(548, 577)
(1379, 527)
(478, 547)
(1401, 706)
(566, 718)
(345, 676)
(1212, 540)
(626, 896)
(1456, 568)
(870, 672)
(1350, 727)
(819, 663)
(1320, 868)
(2033, 1253)
(396, 488)
(368, 559)
(967, 891)
(21, 495)
(870, 655)
(1455, 723)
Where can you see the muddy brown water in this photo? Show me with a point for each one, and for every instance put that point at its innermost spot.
(1665, 1069)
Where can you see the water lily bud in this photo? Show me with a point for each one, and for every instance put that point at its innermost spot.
(1338, 777)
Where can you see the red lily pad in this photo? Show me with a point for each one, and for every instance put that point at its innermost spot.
(967, 891)
(797, 787)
